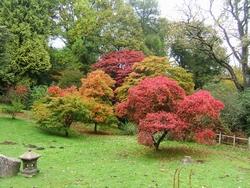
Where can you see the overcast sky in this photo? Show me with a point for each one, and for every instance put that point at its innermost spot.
(172, 8)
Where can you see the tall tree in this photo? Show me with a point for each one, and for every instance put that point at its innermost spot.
(30, 23)
(236, 11)
(148, 12)
(189, 53)
(154, 28)
(232, 22)
(92, 28)
(4, 58)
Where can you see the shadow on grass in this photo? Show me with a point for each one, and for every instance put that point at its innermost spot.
(89, 130)
(58, 133)
(178, 152)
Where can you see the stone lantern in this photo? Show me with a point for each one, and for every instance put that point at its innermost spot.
(29, 160)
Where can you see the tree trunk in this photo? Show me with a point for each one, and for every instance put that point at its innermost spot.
(157, 142)
(245, 67)
(13, 116)
(66, 133)
(234, 77)
(95, 128)
(67, 123)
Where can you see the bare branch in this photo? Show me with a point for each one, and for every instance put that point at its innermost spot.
(237, 56)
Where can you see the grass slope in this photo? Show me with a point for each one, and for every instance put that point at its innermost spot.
(118, 161)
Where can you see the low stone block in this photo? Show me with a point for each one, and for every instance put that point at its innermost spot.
(187, 160)
(9, 166)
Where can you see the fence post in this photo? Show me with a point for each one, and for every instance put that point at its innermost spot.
(248, 142)
(234, 141)
(220, 138)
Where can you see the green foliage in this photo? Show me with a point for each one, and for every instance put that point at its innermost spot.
(4, 37)
(59, 113)
(64, 61)
(235, 115)
(154, 28)
(30, 24)
(13, 108)
(29, 60)
(244, 101)
(155, 66)
(129, 128)
(37, 93)
(232, 110)
(193, 55)
(105, 26)
(70, 77)
(4, 56)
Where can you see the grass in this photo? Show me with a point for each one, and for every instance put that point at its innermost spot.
(113, 161)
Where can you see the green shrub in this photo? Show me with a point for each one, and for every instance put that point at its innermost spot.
(15, 107)
(244, 112)
(58, 113)
(37, 93)
(236, 113)
(129, 128)
(70, 77)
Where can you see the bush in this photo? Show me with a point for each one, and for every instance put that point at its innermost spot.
(234, 115)
(244, 112)
(129, 128)
(15, 107)
(70, 77)
(37, 93)
(17, 97)
(60, 112)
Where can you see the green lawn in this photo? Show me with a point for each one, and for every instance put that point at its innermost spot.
(119, 162)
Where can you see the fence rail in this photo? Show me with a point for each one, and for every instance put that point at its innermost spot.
(233, 140)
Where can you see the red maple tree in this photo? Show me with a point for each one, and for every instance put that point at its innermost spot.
(118, 64)
(150, 95)
(159, 107)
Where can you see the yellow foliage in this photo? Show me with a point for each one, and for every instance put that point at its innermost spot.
(155, 66)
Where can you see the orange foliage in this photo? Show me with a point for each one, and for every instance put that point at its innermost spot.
(97, 85)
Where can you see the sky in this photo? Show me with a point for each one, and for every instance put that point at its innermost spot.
(171, 9)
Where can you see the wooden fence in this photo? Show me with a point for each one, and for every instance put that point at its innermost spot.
(233, 140)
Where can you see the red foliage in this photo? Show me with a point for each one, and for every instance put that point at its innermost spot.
(118, 64)
(205, 136)
(161, 121)
(56, 91)
(201, 112)
(21, 90)
(199, 104)
(150, 95)
(158, 122)
(159, 105)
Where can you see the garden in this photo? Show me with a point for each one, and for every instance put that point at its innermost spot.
(127, 99)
